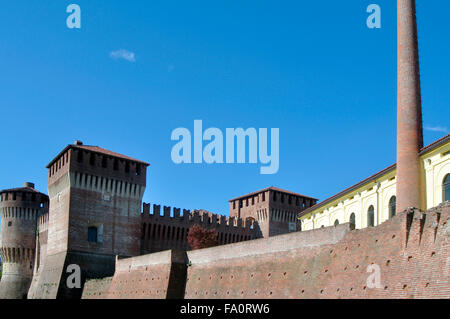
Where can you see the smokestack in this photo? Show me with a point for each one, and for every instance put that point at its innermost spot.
(409, 111)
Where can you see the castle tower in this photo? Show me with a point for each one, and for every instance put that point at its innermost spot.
(95, 214)
(409, 113)
(275, 210)
(19, 209)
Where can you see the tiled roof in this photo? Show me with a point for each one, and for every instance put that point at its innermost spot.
(273, 189)
(435, 144)
(424, 150)
(98, 149)
(348, 190)
(22, 189)
(95, 149)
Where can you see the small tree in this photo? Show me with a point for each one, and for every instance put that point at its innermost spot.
(199, 237)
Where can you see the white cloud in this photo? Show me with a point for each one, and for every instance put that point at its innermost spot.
(123, 54)
(436, 129)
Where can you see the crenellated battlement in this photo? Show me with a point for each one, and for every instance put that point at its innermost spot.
(168, 227)
(186, 216)
(331, 262)
(422, 228)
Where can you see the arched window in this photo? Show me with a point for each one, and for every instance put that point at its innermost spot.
(352, 221)
(446, 188)
(392, 204)
(371, 216)
(92, 234)
(336, 222)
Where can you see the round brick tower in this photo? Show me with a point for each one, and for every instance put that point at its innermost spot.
(19, 209)
(409, 112)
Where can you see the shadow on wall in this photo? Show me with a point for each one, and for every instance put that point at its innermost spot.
(405, 257)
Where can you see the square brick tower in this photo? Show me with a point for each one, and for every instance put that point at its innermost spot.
(275, 210)
(95, 214)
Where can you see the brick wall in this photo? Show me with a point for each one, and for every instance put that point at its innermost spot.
(410, 250)
(156, 276)
(96, 288)
(275, 210)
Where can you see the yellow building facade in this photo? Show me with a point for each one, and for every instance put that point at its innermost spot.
(372, 201)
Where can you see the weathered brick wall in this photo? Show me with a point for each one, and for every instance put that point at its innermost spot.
(156, 276)
(261, 268)
(120, 218)
(50, 282)
(410, 250)
(96, 288)
(41, 241)
(46, 281)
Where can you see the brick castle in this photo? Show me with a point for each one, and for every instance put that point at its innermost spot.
(92, 218)
(95, 215)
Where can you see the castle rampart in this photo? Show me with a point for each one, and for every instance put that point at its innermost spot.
(164, 272)
(404, 257)
(170, 230)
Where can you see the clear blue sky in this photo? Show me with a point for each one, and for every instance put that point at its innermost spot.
(311, 68)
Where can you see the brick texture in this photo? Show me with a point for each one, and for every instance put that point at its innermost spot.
(411, 252)
(409, 113)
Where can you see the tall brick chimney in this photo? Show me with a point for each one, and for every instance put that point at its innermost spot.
(409, 112)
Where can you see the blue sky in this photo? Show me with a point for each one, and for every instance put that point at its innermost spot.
(310, 68)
